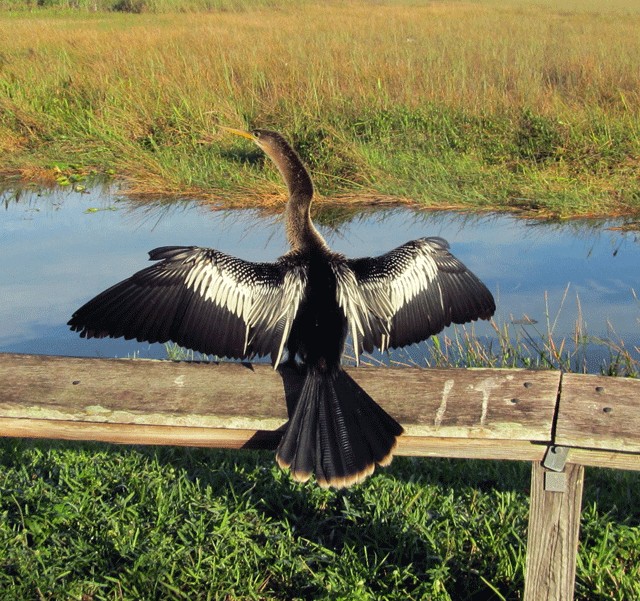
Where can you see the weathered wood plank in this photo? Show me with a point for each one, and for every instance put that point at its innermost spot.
(194, 436)
(142, 392)
(552, 542)
(606, 459)
(516, 405)
(469, 448)
(466, 403)
(599, 412)
(145, 434)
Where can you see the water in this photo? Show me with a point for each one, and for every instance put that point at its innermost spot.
(60, 249)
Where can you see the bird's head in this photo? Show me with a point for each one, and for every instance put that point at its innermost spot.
(287, 161)
(268, 141)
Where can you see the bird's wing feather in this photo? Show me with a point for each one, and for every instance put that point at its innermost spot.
(202, 299)
(408, 294)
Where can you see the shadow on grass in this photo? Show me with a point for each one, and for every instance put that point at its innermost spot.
(244, 156)
(408, 528)
(617, 491)
(416, 528)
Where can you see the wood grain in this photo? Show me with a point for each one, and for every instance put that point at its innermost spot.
(483, 404)
(599, 412)
(552, 543)
(475, 413)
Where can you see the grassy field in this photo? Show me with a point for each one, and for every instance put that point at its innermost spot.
(483, 105)
(91, 522)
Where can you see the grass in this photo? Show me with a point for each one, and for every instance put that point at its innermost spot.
(537, 346)
(521, 343)
(410, 100)
(92, 522)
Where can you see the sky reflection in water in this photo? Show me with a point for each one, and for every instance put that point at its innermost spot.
(55, 256)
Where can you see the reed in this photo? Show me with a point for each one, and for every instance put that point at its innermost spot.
(522, 346)
(466, 104)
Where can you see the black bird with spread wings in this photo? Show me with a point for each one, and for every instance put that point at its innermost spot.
(301, 307)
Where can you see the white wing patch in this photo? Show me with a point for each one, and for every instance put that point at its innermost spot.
(369, 305)
(408, 294)
(267, 309)
(272, 306)
(409, 279)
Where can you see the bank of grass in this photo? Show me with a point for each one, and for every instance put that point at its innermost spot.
(94, 522)
(477, 105)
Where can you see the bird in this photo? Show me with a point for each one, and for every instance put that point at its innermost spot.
(300, 310)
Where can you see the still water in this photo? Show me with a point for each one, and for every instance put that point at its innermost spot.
(60, 249)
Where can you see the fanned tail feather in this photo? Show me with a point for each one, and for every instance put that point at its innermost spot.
(336, 431)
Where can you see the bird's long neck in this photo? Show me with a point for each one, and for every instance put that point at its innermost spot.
(301, 232)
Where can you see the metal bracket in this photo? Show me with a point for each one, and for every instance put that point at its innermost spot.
(555, 458)
(554, 461)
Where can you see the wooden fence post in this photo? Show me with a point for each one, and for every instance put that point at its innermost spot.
(554, 526)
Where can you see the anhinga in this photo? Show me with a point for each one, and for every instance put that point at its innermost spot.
(305, 303)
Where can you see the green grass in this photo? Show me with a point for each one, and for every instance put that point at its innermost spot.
(523, 344)
(409, 100)
(87, 522)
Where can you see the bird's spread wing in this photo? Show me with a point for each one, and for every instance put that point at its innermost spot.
(408, 294)
(202, 299)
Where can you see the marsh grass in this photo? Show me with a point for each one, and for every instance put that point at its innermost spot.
(144, 6)
(392, 99)
(523, 343)
(528, 346)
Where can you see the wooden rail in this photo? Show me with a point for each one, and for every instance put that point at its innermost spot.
(560, 423)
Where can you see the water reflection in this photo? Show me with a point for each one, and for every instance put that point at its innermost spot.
(59, 249)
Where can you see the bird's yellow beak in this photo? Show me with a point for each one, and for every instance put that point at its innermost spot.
(239, 132)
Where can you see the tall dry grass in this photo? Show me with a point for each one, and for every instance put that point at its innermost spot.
(139, 86)
(466, 54)
(475, 56)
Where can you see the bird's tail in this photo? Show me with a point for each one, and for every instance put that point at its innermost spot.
(336, 431)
